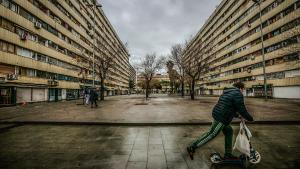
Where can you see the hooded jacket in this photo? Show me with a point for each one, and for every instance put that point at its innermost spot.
(230, 105)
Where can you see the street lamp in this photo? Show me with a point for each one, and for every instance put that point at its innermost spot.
(262, 49)
(93, 6)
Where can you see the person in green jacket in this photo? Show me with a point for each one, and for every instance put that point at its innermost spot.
(230, 105)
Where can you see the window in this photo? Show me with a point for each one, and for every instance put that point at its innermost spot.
(7, 25)
(13, 7)
(41, 57)
(10, 48)
(23, 13)
(5, 3)
(41, 74)
(52, 61)
(22, 71)
(24, 52)
(291, 57)
(4, 46)
(31, 72)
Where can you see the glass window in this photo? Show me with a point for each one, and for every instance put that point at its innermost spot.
(24, 52)
(13, 7)
(11, 48)
(7, 25)
(4, 46)
(31, 72)
(5, 3)
(41, 74)
(41, 58)
(23, 13)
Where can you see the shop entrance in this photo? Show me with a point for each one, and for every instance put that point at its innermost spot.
(55, 94)
(7, 96)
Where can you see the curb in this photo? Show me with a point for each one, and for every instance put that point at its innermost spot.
(141, 124)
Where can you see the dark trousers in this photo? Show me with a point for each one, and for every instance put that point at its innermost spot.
(215, 129)
(94, 102)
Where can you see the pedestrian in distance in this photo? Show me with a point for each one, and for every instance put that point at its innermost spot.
(87, 96)
(230, 105)
(94, 98)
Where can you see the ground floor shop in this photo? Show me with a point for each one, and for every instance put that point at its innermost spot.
(287, 92)
(12, 95)
(7, 96)
(17, 94)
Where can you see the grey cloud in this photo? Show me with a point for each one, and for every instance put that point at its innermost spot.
(155, 25)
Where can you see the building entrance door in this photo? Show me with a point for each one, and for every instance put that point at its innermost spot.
(7, 96)
(55, 94)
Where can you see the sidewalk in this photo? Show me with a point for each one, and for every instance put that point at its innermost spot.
(91, 147)
(160, 109)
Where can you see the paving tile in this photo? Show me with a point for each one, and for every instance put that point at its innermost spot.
(42, 146)
(177, 165)
(140, 147)
(138, 155)
(136, 165)
(177, 157)
(156, 162)
(155, 141)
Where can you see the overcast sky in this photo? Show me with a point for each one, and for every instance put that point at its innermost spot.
(155, 25)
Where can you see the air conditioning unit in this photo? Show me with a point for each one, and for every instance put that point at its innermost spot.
(12, 77)
(252, 57)
(23, 36)
(37, 25)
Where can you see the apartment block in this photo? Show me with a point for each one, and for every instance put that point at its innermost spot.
(48, 47)
(230, 44)
(132, 75)
(162, 79)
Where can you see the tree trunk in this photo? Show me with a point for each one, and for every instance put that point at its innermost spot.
(193, 90)
(182, 88)
(147, 89)
(102, 90)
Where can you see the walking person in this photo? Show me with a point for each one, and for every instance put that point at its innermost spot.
(87, 96)
(230, 105)
(94, 98)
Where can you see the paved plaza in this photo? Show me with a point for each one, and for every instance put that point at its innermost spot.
(71, 145)
(107, 147)
(159, 109)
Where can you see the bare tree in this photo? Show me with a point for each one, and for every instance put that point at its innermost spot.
(83, 72)
(177, 58)
(194, 67)
(104, 65)
(150, 65)
(172, 74)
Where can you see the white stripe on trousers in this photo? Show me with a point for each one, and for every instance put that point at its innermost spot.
(210, 136)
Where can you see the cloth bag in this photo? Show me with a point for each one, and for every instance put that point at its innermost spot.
(242, 142)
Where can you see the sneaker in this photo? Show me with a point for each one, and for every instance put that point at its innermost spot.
(191, 152)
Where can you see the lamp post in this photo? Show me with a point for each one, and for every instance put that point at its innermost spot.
(262, 49)
(93, 6)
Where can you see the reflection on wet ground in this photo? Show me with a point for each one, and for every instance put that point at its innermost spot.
(50, 146)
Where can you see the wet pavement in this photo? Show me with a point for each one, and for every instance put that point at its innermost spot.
(159, 109)
(113, 147)
(62, 146)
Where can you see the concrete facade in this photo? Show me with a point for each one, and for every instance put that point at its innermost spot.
(49, 44)
(230, 44)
